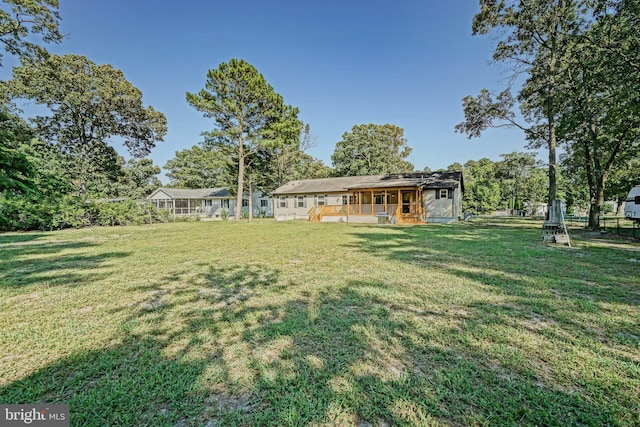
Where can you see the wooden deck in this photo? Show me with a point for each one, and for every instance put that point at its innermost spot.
(394, 213)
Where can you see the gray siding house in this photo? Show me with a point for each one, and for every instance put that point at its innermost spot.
(413, 198)
(206, 202)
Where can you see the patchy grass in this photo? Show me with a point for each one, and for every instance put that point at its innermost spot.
(223, 323)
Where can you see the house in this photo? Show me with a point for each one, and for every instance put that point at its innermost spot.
(207, 202)
(412, 198)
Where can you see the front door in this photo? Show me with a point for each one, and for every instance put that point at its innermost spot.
(406, 201)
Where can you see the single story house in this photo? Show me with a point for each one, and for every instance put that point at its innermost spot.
(410, 198)
(207, 202)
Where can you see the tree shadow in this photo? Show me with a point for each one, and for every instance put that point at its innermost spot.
(165, 364)
(53, 263)
(533, 302)
(234, 344)
(347, 358)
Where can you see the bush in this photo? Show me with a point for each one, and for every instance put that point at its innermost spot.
(127, 212)
(34, 212)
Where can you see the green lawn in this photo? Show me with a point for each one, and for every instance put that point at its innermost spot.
(224, 323)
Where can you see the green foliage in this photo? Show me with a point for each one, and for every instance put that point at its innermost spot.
(34, 211)
(89, 104)
(20, 20)
(139, 179)
(534, 39)
(290, 162)
(125, 212)
(481, 188)
(249, 115)
(16, 169)
(601, 118)
(370, 150)
(198, 168)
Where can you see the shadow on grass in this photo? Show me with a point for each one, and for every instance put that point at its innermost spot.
(234, 345)
(344, 358)
(51, 263)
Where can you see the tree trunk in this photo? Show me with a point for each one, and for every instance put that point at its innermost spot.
(621, 199)
(240, 190)
(250, 201)
(552, 142)
(597, 201)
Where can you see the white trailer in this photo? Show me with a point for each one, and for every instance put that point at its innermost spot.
(632, 204)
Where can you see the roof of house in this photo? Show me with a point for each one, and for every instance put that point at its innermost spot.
(189, 193)
(342, 184)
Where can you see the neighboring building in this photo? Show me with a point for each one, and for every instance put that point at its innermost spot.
(414, 198)
(207, 202)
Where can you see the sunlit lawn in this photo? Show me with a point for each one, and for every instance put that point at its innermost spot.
(223, 323)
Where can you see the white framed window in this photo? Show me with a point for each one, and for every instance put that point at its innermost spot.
(443, 193)
(320, 200)
(208, 202)
(225, 203)
(245, 203)
(283, 202)
(264, 203)
(300, 201)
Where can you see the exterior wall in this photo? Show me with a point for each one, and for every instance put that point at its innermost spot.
(291, 210)
(257, 201)
(442, 210)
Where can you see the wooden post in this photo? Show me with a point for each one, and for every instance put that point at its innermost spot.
(386, 209)
(372, 202)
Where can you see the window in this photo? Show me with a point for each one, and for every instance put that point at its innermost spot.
(208, 202)
(353, 199)
(225, 203)
(378, 199)
(245, 203)
(283, 202)
(264, 203)
(444, 193)
(300, 201)
(320, 200)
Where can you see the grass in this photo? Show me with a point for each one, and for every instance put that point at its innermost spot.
(224, 323)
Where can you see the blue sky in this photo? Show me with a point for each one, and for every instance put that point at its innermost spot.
(342, 63)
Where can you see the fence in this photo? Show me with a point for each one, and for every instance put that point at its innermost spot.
(615, 224)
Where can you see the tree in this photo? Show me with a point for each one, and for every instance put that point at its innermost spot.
(16, 169)
(139, 178)
(534, 39)
(482, 191)
(196, 167)
(89, 104)
(311, 168)
(249, 115)
(20, 20)
(513, 173)
(601, 118)
(372, 149)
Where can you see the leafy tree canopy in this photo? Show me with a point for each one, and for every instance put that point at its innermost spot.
(249, 115)
(196, 167)
(21, 19)
(371, 149)
(89, 104)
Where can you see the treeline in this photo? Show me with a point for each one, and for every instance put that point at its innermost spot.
(573, 86)
(519, 183)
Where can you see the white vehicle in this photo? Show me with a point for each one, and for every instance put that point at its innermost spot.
(632, 205)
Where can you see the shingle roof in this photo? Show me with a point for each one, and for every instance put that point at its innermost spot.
(189, 193)
(342, 184)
